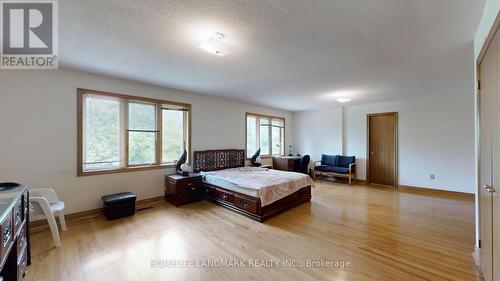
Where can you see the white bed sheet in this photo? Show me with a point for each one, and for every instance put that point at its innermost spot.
(267, 184)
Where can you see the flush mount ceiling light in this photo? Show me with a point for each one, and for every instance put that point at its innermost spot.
(216, 45)
(344, 99)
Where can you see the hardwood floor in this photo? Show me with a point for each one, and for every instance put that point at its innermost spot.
(384, 234)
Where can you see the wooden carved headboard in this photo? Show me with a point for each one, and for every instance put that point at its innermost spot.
(213, 160)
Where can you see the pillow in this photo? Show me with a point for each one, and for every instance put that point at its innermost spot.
(252, 169)
(329, 160)
(344, 161)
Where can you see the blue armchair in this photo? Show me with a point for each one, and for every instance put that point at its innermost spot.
(336, 166)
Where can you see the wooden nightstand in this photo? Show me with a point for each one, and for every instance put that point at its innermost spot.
(180, 190)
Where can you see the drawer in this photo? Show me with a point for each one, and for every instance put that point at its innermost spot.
(183, 191)
(6, 235)
(17, 215)
(245, 204)
(21, 241)
(25, 202)
(224, 195)
(170, 188)
(22, 265)
(305, 192)
(190, 191)
(190, 185)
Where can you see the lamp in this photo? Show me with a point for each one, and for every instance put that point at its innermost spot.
(256, 161)
(180, 167)
(216, 45)
(344, 99)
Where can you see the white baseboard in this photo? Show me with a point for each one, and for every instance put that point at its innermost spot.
(476, 254)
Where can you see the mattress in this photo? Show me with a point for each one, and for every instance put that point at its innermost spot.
(217, 181)
(267, 184)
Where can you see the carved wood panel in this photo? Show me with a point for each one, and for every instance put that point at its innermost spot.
(212, 160)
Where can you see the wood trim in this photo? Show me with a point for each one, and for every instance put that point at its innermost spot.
(126, 135)
(136, 98)
(41, 225)
(261, 213)
(159, 137)
(265, 115)
(486, 45)
(436, 192)
(477, 136)
(190, 136)
(128, 169)
(214, 160)
(396, 145)
(270, 133)
(80, 94)
(79, 138)
(489, 39)
(140, 203)
(423, 190)
(367, 172)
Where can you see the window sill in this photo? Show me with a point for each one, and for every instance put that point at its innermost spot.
(266, 156)
(124, 170)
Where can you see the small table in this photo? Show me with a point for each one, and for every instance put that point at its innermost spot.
(180, 190)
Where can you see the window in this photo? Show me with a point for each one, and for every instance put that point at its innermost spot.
(266, 132)
(174, 133)
(120, 133)
(142, 133)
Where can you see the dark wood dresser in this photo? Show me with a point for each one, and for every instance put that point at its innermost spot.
(14, 233)
(180, 190)
(285, 163)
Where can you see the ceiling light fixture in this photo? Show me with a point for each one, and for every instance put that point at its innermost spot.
(216, 45)
(344, 99)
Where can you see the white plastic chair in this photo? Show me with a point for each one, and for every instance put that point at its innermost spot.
(46, 204)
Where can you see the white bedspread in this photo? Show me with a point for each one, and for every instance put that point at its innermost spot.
(270, 185)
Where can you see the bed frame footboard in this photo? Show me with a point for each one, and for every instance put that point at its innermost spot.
(251, 206)
(214, 160)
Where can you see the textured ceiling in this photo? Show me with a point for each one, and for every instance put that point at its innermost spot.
(289, 54)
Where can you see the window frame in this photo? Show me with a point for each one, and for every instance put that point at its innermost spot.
(270, 146)
(186, 131)
(125, 133)
(128, 132)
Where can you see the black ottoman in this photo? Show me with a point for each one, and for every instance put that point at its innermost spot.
(119, 205)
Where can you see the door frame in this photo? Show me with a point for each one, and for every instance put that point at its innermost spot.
(491, 35)
(396, 146)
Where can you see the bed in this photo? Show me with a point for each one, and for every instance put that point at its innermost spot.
(258, 193)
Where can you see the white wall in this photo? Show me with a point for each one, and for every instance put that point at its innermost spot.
(318, 132)
(491, 9)
(38, 127)
(436, 135)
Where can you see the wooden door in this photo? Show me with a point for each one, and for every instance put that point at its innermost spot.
(486, 170)
(495, 188)
(382, 148)
(489, 160)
